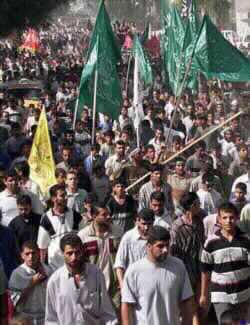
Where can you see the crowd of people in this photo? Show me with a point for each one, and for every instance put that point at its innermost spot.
(103, 247)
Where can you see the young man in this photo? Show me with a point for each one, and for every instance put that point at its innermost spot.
(226, 257)
(156, 184)
(55, 223)
(209, 198)
(100, 244)
(187, 238)
(122, 207)
(25, 225)
(133, 243)
(75, 195)
(28, 284)
(115, 163)
(156, 289)
(76, 292)
(8, 198)
(162, 217)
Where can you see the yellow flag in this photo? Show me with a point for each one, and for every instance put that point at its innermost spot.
(41, 161)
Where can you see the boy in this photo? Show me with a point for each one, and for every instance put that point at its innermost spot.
(226, 256)
(239, 198)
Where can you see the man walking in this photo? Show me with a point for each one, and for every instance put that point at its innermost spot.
(156, 289)
(226, 257)
(76, 292)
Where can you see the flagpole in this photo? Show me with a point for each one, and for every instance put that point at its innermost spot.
(94, 107)
(127, 76)
(75, 112)
(136, 98)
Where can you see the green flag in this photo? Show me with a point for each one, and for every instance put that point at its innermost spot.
(175, 33)
(109, 96)
(191, 33)
(145, 70)
(217, 58)
(86, 83)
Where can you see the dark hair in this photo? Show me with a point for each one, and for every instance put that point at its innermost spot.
(60, 171)
(157, 233)
(146, 214)
(179, 159)
(10, 173)
(177, 138)
(207, 177)
(149, 146)
(120, 181)
(120, 143)
(201, 144)
(158, 196)
(23, 199)
(156, 168)
(70, 239)
(187, 200)
(29, 244)
(96, 147)
(23, 167)
(228, 207)
(55, 188)
(242, 187)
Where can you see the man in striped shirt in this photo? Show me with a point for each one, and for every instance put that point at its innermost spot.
(226, 256)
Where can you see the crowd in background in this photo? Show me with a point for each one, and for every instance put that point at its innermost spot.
(88, 253)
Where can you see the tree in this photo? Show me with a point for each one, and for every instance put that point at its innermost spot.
(18, 14)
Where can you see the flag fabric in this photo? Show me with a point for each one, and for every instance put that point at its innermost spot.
(41, 161)
(85, 90)
(144, 66)
(31, 42)
(191, 33)
(217, 58)
(109, 95)
(175, 33)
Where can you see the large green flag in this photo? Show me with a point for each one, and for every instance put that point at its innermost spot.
(191, 33)
(175, 33)
(144, 66)
(217, 58)
(109, 96)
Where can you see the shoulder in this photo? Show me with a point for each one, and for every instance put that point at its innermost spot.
(55, 277)
(83, 233)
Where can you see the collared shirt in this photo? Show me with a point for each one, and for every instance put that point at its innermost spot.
(102, 250)
(87, 304)
(34, 306)
(114, 166)
(242, 179)
(148, 188)
(131, 249)
(163, 220)
(186, 243)
(229, 263)
(9, 209)
(75, 200)
(210, 201)
(52, 229)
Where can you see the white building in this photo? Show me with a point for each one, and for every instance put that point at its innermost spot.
(242, 9)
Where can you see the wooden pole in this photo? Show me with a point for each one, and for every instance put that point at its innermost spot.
(186, 148)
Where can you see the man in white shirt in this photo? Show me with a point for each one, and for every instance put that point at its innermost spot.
(55, 223)
(76, 292)
(243, 179)
(28, 284)
(133, 243)
(156, 289)
(8, 198)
